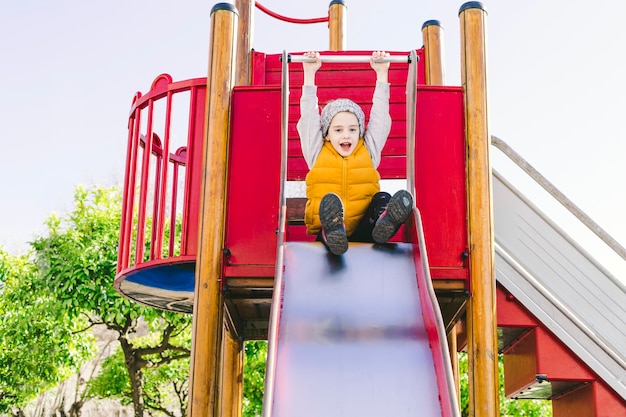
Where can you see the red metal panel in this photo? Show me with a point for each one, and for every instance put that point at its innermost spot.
(607, 402)
(510, 312)
(397, 73)
(440, 176)
(252, 204)
(257, 74)
(539, 352)
(520, 364)
(578, 403)
(557, 361)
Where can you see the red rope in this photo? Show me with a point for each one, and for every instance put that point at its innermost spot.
(289, 19)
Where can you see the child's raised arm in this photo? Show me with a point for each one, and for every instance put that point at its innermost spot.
(381, 68)
(310, 68)
(309, 125)
(379, 124)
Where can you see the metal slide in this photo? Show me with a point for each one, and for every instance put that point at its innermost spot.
(351, 337)
(561, 284)
(361, 334)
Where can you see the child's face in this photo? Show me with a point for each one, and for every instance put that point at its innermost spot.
(343, 133)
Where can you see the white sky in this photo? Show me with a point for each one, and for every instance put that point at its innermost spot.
(69, 70)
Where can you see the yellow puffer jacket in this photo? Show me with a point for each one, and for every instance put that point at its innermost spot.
(354, 179)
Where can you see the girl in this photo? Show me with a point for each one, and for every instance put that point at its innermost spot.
(344, 201)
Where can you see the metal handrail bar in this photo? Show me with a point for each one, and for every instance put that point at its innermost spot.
(411, 108)
(441, 328)
(272, 337)
(559, 196)
(351, 58)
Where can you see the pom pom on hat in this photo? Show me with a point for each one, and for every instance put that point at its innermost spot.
(338, 106)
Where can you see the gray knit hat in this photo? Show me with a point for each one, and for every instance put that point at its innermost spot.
(337, 106)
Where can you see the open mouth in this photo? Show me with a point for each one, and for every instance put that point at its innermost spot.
(345, 146)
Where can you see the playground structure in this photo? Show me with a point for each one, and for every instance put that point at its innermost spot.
(191, 241)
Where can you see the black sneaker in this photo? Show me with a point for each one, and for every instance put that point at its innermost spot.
(333, 230)
(393, 217)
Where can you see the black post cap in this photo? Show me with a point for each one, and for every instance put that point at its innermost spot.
(431, 23)
(225, 6)
(471, 5)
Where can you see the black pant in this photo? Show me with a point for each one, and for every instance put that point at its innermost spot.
(363, 231)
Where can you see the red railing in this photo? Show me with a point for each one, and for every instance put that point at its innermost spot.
(289, 19)
(159, 213)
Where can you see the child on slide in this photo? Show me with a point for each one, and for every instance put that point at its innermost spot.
(344, 201)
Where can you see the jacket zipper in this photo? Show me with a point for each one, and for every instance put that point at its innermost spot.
(344, 182)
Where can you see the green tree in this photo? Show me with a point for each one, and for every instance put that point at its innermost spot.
(165, 387)
(40, 345)
(78, 259)
(254, 377)
(168, 384)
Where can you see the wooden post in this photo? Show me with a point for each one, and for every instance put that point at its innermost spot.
(337, 25)
(432, 35)
(232, 376)
(231, 393)
(208, 307)
(482, 337)
(245, 9)
(453, 348)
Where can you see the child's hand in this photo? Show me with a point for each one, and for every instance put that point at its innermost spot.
(381, 68)
(310, 68)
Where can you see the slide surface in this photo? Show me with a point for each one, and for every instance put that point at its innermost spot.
(351, 339)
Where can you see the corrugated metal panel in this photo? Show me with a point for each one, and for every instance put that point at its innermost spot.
(561, 284)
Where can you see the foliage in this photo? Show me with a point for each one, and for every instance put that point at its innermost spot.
(168, 385)
(163, 386)
(39, 346)
(78, 259)
(112, 382)
(463, 382)
(254, 377)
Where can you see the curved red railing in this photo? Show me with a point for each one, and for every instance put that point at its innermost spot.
(159, 214)
(289, 19)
